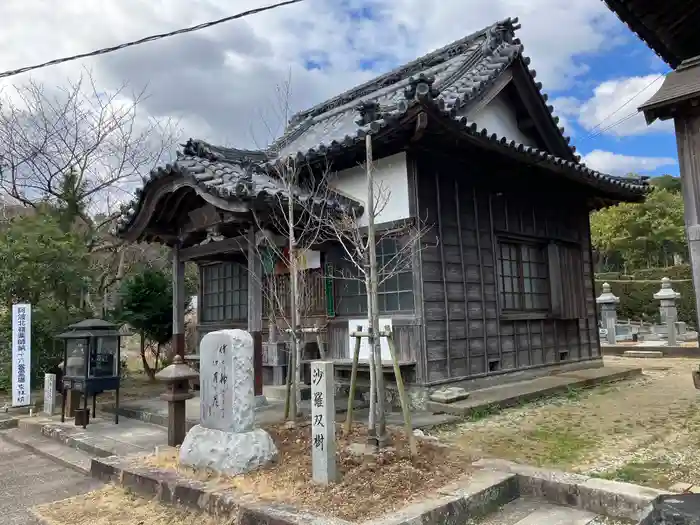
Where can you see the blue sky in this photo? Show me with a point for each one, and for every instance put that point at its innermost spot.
(607, 125)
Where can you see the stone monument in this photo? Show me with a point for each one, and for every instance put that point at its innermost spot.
(668, 310)
(608, 312)
(323, 461)
(226, 439)
(50, 394)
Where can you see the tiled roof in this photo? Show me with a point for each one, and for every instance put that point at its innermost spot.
(443, 81)
(233, 178)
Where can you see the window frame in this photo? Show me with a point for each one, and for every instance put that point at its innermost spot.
(399, 286)
(528, 272)
(231, 292)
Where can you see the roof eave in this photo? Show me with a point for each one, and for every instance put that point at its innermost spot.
(644, 33)
(608, 185)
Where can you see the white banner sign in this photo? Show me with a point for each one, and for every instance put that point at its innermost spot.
(21, 354)
(364, 345)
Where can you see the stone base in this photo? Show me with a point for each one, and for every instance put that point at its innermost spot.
(228, 453)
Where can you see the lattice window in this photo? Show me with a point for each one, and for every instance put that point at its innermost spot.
(224, 292)
(523, 277)
(395, 294)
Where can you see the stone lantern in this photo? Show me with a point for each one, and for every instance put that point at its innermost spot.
(608, 312)
(177, 379)
(667, 309)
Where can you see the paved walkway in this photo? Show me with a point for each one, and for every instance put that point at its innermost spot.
(27, 480)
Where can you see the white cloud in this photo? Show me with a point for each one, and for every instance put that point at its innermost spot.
(616, 164)
(612, 110)
(218, 80)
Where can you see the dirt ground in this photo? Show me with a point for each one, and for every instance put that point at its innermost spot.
(645, 431)
(368, 486)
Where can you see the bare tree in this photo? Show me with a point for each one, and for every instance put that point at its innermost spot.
(358, 239)
(80, 149)
(296, 216)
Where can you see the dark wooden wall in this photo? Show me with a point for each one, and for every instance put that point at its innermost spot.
(466, 332)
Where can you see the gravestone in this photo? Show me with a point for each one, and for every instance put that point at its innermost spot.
(226, 439)
(49, 394)
(667, 309)
(608, 312)
(323, 446)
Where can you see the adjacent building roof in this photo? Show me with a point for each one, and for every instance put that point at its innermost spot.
(669, 27)
(443, 83)
(681, 86)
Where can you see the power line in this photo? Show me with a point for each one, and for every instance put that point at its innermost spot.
(147, 39)
(593, 133)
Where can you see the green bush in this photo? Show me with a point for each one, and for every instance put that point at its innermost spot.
(636, 292)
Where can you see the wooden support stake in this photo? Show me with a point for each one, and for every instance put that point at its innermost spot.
(353, 382)
(402, 392)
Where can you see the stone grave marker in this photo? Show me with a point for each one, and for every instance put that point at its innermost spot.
(226, 439)
(49, 394)
(323, 446)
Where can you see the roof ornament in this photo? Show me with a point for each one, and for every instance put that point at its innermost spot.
(421, 87)
(498, 34)
(369, 112)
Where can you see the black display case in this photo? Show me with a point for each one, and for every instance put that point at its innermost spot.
(91, 360)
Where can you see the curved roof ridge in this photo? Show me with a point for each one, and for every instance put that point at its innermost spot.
(500, 29)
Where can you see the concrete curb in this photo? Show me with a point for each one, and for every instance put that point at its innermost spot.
(601, 496)
(528, 397)
(7, 424)
(482, 493)
(667, 351)
(64, 437)
(39, 452)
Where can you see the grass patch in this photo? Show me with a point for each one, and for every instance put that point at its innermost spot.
(559, 446)
(650, 473)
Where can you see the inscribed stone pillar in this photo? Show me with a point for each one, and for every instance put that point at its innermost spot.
(323, 447)
(668, 309)
(608, 312)
(49, 394)
(226, 381)
(225, 439)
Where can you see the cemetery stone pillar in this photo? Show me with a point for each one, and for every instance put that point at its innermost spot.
(668, 309)
(608, 312)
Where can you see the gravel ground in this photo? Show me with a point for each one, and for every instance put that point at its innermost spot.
(643, 431)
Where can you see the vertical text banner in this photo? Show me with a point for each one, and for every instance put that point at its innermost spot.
(21, 354)
(323, 462)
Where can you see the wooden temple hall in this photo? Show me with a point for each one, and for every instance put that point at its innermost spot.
(503, 281)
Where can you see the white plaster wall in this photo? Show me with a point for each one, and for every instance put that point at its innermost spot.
(391, 177)
(498, 117)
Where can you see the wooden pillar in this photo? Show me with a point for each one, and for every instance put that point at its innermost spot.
(255, 277)
(679, 99)
(178, 303)
(688, 139)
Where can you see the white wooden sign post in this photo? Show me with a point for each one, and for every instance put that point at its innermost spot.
(21, 354)
(323, 463)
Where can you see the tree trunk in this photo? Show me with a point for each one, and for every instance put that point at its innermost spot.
(373, 299)
(294, 308)
(146, 367)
